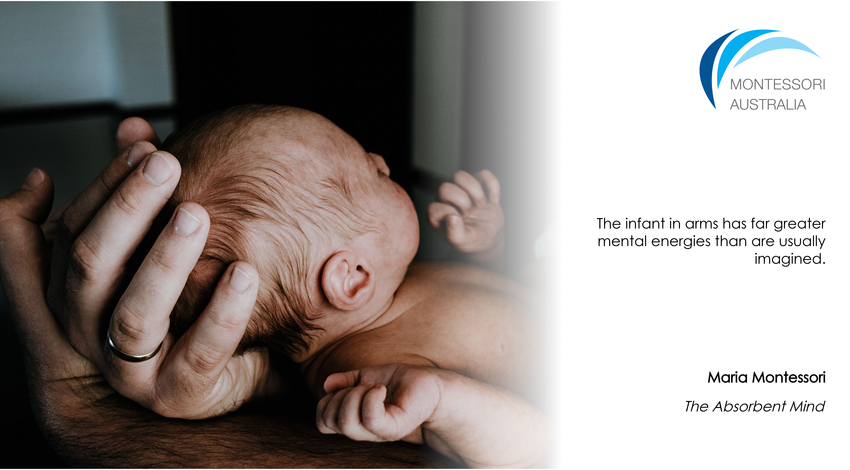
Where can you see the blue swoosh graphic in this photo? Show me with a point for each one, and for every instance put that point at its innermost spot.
(706, 64)
(772, 44)
(734, 46)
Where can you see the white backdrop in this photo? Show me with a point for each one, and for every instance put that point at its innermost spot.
(643, 327)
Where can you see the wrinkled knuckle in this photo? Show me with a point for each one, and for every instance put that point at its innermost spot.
(229, 320)
(128, 202)
(201, 359)
(129, 325)
(84, 261)
(162, 260)
(104, 185)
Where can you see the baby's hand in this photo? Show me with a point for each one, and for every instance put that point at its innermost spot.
(468, 218)
(383, 403)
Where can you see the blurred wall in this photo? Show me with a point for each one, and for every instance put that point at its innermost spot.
(437, 84)
(64, 53)
(483, 100)
(508, 113)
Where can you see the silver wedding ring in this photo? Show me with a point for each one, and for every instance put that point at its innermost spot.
(129, 357)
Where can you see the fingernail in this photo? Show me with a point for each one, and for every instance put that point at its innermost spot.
(157, 169)
(33, 179)
(239, 281)
(185, 223)
(136, 153)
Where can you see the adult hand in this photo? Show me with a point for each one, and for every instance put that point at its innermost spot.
(86, 421)
(194, 376)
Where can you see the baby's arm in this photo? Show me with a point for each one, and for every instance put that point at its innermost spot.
(468, 216)
(476, 423)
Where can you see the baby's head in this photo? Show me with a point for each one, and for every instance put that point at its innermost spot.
(291, 193)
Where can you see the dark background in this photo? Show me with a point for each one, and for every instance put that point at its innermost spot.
(350, 62)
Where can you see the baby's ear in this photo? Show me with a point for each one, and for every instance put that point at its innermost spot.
(347, 284)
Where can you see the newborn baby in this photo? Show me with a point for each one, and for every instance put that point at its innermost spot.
(426, 352)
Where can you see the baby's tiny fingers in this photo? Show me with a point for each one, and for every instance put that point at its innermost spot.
(331, 413)
(472, 187)
(453, 194)
(341, 380)
(491, 183)
(455, 230)
(437, 213)
(348, 421)
(374, 412)
(320, 415)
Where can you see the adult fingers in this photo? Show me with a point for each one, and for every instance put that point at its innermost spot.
(451, 193)
(22, 246)
(30, 203)
(77, 215)
(437, 213)
(135, 139)
(82, 210)
(100, 253)
(472, 187)
(141, 318)
(23, 275)
(51, 225)
(195, 364)
(492, 185)
(132, 130)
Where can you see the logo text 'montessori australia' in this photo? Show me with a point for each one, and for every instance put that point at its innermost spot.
(722, 52)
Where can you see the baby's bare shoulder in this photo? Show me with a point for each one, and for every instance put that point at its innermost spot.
(450, 316)
(465, 319)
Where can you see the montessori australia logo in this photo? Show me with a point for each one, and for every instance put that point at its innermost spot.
(754, 43)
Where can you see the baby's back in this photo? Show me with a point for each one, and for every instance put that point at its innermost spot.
(452, 316)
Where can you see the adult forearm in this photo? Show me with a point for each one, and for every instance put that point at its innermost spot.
(111, 431)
